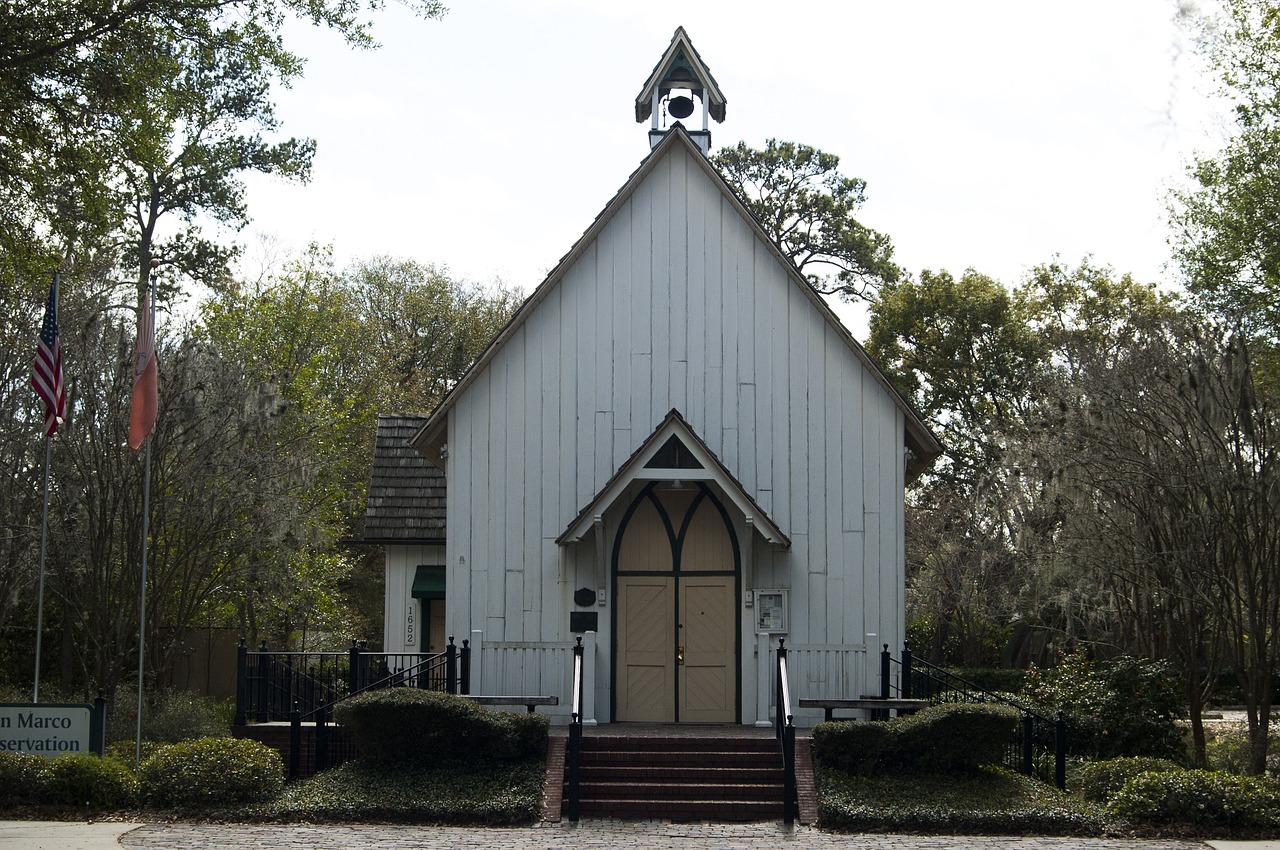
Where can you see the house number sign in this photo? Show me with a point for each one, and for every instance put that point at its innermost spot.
(411, 626)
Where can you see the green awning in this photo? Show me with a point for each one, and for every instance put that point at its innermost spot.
(428, 582)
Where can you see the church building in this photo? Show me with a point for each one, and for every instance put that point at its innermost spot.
(674, 450)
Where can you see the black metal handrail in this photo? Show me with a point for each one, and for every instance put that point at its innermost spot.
(270, 685)
(305, 686)
(1029, 749)
(785, 728)
(573, 752)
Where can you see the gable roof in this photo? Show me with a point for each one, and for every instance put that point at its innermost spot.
(923, 447)
(702, 465)
(406, 498)
(681, 48)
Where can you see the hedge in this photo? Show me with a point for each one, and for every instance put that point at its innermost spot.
(411, 725)
(953, 738)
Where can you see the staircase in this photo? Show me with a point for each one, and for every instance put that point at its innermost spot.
(682, 778)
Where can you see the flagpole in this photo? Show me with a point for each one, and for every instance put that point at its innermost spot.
(142, 616)
(146, 521)
(44, 538)
(46, 378)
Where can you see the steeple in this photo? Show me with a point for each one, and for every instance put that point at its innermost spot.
(679, 87)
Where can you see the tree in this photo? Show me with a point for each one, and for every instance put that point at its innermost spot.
(1225, 238)
(65, 83)
(808, 209)
(328, 351)
(965, 355)
(183, 147)
(1173, 459)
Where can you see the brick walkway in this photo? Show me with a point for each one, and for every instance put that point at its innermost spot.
(589, 835)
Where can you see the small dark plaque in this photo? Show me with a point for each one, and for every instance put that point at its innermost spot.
(584, 597)
(584, 621)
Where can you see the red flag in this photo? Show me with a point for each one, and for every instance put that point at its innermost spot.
(142, 418)
(46, 373)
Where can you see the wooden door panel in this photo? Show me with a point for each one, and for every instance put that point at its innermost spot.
(646, 649)
(708, 682)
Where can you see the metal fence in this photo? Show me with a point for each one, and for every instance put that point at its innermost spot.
(272, 685)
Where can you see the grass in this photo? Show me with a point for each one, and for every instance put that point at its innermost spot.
(993, 802)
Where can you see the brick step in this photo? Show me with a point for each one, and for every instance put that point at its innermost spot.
(680, 791)
(648, 758)
(684, 810)
(678, 744)
(682, 773)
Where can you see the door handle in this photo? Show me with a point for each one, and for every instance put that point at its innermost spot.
(680, 655)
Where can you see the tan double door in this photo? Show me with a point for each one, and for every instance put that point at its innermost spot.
(676, 649)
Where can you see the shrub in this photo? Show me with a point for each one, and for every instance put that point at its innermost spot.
(22, 777)
(167, 716)
(1128, 707)
(408, 724)
(953, 738)
(83, 779)
(1000, 680)
(211, 772)
(1099, 781)
(992, 802)
(1227, 748)
(957, 738)
(127, 750)
(854, 746)
(1202, 798)
(489, 793)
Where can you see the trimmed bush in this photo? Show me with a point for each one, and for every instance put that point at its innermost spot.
(408, 724)
(1202, 798)
(210, 773)
(22, 777)
(1099, 781)
(957, 738)
(953, 738)
(854, 746)
(85, 780)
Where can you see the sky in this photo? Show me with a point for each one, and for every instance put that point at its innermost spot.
(992, 135)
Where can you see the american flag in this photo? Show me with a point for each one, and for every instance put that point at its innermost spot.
(46, 373)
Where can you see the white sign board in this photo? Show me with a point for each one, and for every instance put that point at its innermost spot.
(44, 729)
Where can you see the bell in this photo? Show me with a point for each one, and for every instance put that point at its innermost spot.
(680, 107)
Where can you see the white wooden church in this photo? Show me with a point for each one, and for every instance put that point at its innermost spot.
(674, 450)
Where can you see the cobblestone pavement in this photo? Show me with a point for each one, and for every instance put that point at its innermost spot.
(589, 835)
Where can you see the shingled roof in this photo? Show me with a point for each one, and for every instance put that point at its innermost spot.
(406, 492)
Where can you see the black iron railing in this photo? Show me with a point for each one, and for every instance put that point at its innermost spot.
(271, 685)
(303, 687)
(573, 750)
(1038, 747)
(785, 728)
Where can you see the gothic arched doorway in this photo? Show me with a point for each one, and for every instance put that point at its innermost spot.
(676, 563)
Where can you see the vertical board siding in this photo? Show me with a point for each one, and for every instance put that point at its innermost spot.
(677, 303)
(828, 671)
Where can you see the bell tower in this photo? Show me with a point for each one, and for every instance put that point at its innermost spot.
(679, 88)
